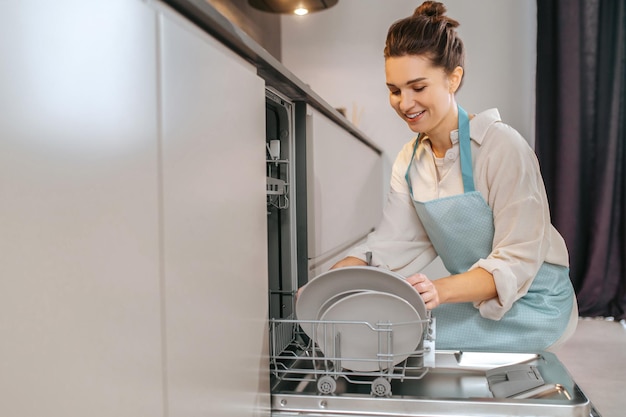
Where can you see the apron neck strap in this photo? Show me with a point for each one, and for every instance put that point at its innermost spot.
(466, 151)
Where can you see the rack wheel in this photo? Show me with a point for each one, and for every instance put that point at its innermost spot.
(326, 385)
(381, 387)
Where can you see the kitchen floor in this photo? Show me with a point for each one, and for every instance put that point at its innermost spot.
(595, 356)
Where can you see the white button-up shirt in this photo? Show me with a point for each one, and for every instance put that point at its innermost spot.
(506, 173)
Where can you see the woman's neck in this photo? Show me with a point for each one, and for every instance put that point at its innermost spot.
(440, 140)
(440, 149)
(439, 137)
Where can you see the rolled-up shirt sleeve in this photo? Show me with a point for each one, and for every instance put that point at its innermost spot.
(508, 176)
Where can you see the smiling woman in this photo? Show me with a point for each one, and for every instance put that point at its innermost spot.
(411, 97)
(465, 189)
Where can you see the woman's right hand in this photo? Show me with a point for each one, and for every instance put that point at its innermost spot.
(426, 288)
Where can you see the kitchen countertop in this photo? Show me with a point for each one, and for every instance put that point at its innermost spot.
(275, 74)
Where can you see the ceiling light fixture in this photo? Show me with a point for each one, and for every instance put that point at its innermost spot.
(301, 11)
(299, 7)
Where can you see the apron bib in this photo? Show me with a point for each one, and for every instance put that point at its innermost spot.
(461, 230)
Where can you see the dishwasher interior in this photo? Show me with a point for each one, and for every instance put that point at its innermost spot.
(307, 380)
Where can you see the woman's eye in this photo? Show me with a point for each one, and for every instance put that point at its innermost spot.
(394, 92)
(418, 89)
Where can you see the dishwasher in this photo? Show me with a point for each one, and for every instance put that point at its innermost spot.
(307, 372)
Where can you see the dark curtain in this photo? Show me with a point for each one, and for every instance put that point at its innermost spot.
(581, 144)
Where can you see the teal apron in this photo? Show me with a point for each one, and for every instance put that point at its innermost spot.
(461, 230)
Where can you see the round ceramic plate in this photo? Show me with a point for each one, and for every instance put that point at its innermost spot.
(332, 300)
(354, 278)
(309, 326)
(356, 329)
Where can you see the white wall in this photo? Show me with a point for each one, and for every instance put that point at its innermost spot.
(339, 53)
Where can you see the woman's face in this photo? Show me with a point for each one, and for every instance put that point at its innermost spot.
(422, 94)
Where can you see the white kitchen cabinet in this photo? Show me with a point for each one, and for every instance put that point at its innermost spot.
(133, 265)
(215, 233)
(344, 187)
(80, 304)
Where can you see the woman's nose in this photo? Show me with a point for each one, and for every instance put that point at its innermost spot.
(406, 101)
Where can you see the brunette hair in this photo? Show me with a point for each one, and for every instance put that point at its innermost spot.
(427, 32)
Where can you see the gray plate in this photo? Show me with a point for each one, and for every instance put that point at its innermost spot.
(354, 278)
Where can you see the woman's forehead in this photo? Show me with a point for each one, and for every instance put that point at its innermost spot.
(407, 69)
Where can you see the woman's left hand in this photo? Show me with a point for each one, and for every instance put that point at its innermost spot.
(426, 288)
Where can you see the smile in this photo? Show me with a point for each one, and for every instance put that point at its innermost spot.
(414, 115)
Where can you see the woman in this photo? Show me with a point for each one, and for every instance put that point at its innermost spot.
(469, 190)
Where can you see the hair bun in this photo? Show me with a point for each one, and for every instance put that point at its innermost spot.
(436, 12)
(430, 9)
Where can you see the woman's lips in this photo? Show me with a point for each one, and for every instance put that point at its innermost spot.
(413, 117)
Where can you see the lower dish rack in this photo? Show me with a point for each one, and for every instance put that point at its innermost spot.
(300, 359)
(427, 383)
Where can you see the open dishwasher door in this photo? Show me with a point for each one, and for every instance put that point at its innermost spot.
(454, 383)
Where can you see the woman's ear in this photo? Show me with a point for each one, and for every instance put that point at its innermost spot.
(455, 78)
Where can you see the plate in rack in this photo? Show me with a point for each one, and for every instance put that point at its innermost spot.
(369, 331)
(354, 278)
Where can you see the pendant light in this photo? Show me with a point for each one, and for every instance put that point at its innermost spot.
(299, 7)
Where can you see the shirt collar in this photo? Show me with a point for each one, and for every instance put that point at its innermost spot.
(479, 125)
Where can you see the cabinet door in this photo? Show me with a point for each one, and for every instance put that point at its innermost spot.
(214, 227)
(344, 191)
(80, 328)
